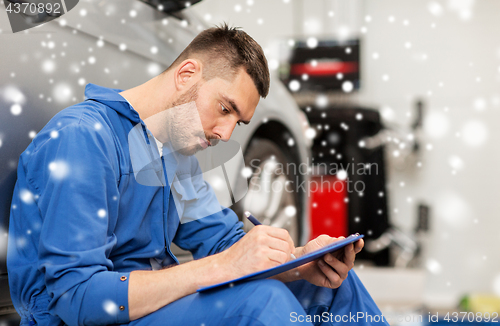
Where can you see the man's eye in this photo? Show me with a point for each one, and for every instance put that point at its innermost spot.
(238, 123)
(224, 109)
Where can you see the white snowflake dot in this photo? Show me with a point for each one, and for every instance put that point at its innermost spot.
(342, 175)
(294, 85)
(16, 109)
(26, 196)
(290, 211)
(347, 86)
(246, 172)
(312, 42)
(110, 307)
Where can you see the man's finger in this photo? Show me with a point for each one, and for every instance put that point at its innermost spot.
(278, 244)
(338, 266)
(349, 254)
(358, 245)
(281, 234)
(332, 276)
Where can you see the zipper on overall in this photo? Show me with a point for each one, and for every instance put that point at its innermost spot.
(165, 209)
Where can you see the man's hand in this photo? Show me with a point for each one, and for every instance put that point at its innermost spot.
(331, 270)
(261, 248)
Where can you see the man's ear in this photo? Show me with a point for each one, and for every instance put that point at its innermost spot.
(187, 74)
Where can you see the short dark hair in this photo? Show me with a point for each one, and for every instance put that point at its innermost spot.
(223, 50)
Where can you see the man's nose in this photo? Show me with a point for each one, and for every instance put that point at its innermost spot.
(226, 132)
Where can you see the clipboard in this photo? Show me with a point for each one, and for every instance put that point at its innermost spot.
(288, 265)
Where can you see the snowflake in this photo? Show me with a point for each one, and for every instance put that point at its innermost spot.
(154, 69)
(62, 93)
(312, 42)
(456, 162)
(102, 213)
(58, 169)
(321, 101)
(110, 307)
(436, 124)
(480, 104)
(14, 95)
(474, 133)
(16, 109)
(294, 85)
(433, 266)
(290, 211)
(246, 172)
(26, 196)
(342, 175)
(435, 8)
(310, 133)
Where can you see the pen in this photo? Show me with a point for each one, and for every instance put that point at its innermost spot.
(255, 221)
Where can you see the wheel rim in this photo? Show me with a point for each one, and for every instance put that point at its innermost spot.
(269, 200)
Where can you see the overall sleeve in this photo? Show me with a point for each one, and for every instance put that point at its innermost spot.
(206, 227)
(75, 176)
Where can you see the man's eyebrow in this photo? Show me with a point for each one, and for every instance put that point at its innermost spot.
(235, 108)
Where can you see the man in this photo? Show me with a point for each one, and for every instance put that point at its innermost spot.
(90, 230)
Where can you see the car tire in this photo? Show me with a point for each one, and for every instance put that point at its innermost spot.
(271, 197)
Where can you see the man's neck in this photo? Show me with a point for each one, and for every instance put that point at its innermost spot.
(147, 99)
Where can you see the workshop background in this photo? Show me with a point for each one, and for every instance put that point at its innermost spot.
(445, 54)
